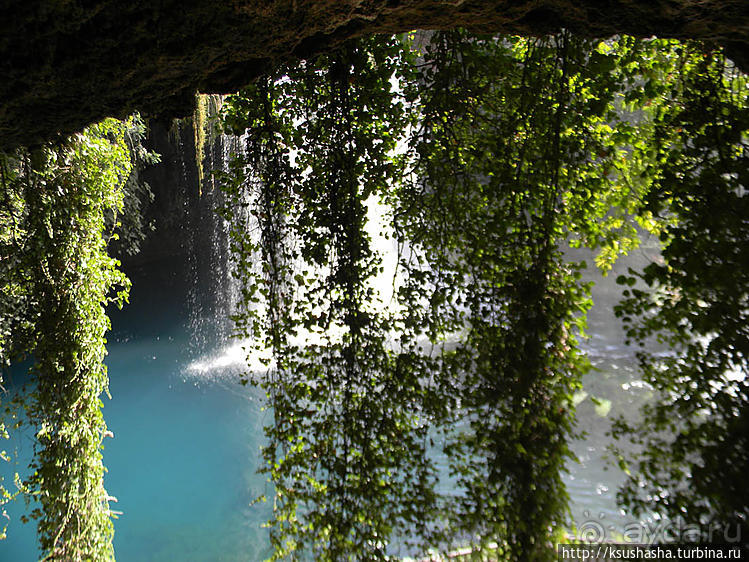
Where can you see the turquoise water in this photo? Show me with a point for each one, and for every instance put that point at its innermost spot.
(184, 459)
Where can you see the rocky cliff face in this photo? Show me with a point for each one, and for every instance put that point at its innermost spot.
(65, 63)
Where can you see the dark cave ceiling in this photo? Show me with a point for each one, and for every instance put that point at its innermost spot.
(66, 63)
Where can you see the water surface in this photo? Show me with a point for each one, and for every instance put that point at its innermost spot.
(184, 459)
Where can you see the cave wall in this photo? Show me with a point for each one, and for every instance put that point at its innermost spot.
(66, 63)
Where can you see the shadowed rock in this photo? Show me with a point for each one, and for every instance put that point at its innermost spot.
(66, 63)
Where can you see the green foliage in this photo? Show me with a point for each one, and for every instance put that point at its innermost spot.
(492, 155)
(498, 138)
(346, 437)
(694, 435)
(508, 150)
(57, 279)
(127, 223)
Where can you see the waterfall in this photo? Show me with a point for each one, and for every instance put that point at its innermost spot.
(187, 248)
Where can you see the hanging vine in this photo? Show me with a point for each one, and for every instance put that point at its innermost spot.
(57, 202)
(693, 435)
(505, 155)
(346, 437)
